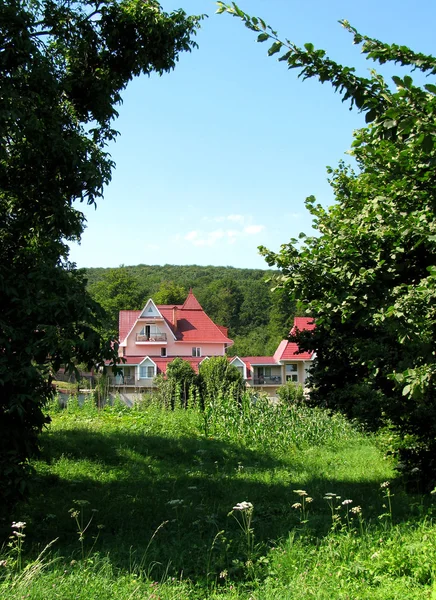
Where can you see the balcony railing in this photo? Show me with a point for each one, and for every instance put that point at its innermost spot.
(153, 337)
(273, 380)
(121, 381)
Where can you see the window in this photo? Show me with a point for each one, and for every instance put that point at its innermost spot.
(196, 352)
(163, 351)
(292, 373)
(146, 372)
(241, 370)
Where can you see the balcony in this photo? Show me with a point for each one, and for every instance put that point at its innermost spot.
(273, 380)
(117, 381)
(153, 337)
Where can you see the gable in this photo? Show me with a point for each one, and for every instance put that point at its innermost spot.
(150, 310)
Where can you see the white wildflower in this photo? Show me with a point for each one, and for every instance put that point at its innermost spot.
(243, 506)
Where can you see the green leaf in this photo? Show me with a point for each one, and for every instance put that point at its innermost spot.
(263, 37)
(309, 47)
(276, 47)
(427, 143)
(430, 88)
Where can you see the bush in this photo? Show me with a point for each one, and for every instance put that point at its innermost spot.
(291, 393)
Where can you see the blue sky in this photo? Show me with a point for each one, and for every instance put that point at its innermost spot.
(217, 157)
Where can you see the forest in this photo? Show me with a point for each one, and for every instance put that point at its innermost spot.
(248, 301)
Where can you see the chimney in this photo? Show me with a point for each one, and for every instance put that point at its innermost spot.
(175, 317)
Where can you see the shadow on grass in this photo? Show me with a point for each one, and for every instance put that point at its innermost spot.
(165, 501)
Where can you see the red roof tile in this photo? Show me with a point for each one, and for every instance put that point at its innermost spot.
(162, 363)
(302, 323)
(192, 323)
(127, 318)
(259, 360)
(191, 302)
(289, 350)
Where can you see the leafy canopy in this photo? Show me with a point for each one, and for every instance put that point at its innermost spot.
(368, 278)
(63, 66)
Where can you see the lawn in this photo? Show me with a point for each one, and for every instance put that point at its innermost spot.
(138, 503)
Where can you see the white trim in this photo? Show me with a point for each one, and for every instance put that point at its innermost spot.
(154, 312)
(242, 364)
(153, 365)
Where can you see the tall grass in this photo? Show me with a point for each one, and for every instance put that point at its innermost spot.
(241, 500)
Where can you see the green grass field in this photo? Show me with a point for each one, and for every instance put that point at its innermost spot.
(137, 504)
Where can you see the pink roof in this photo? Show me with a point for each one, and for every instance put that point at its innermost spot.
(192, 323)
(126, 320)
(259, 360)
(162, 363)
(191, 302)
(302, 323)
(289, 350)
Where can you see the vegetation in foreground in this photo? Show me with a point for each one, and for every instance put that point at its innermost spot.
(368, 277)
(237, 501)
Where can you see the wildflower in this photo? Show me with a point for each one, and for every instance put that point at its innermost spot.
(3, 563)
(223, 574)
(19, 525)
(345, 502)
(385, 484)
(356, 510)
(18, 534)
(300, 492)
(243, 506)
(296, 505)
(309, 499)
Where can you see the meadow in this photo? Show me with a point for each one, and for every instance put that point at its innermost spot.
(247, 501)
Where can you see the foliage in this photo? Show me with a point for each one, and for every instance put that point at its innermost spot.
(170, 292)
(217, 378)
(222, 300)
(117, 290)
(258, 313)
(63, 67)
(181, 378)
(291, 393)
(368, 278)
(175, 539)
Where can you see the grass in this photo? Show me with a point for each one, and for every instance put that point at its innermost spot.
(140, 504)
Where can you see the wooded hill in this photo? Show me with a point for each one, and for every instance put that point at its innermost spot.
(243, 300)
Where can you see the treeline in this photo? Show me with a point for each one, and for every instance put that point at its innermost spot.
(246, 301)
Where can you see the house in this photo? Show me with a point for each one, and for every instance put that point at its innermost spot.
(267, 373)
(151, 338)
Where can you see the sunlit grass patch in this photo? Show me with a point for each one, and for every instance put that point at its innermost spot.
(158, 496)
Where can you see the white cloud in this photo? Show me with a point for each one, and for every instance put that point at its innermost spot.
(242, 228)
(253, 229)
(236, 218)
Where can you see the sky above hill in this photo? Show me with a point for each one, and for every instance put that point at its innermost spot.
(217, 157)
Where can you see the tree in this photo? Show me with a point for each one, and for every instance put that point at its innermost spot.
(369, 277)
(63, 67)
(218, 377)
(222, 300)
(170, 292)
(117, 290)
(182, 378)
